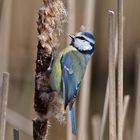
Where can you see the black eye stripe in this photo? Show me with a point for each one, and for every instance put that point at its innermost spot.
(80, 37)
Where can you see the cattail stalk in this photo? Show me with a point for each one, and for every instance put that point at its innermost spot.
(3, 104)
(112, 87)
(51, 16)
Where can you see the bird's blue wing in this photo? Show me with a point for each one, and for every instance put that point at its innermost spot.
(68, 79)
(73, 65)
(69, 87)
(73, 68)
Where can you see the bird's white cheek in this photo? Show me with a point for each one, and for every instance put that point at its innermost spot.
(78, 44)
(87, 46)
(82, 45)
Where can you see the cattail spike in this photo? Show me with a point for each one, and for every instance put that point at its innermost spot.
(51, 17)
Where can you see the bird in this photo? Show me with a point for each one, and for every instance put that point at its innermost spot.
(68, 69)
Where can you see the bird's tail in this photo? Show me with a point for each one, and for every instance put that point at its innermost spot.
(72, 120)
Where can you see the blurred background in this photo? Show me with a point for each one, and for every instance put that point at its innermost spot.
(18, 46)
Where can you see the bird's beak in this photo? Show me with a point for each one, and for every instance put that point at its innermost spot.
(72, 36)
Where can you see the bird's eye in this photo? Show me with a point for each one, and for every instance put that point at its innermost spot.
(81, 37)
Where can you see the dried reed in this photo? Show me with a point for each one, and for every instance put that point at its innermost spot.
(16, 134)
(106, 103)
(70, 30)
(5, 20)
(112, 87)
(86, 85)
(120, 69)
(3, 104)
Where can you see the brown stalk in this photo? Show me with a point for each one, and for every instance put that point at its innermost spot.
(120, 69)
(112, 87)
(86, 85)
(3, 104)
(5, 22)
(70, 30)
(51, 16)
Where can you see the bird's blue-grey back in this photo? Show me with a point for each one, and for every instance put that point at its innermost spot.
(73, 69)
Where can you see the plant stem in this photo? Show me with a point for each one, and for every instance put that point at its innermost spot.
(3, 104)
(120, 69)
(112, 87)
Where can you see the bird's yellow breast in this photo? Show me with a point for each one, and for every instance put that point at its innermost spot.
(56, 73)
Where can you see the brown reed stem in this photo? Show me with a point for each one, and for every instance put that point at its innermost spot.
(120, 69)
(51, 16)
(16, 134)
(70, 30)
(86, 85)
(106, 101)
(105, 112)
(3, 104)
(112, 87)
(5, 23)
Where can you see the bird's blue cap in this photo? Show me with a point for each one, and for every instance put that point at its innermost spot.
(87, 35)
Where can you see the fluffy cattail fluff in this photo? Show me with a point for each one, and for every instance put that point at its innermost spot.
(51, 17)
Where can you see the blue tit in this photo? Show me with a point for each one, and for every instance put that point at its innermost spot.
(68, 70)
